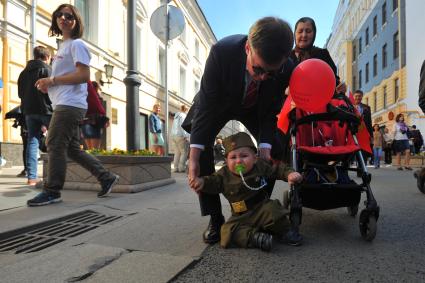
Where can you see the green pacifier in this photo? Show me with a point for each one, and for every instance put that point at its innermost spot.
(240, 168)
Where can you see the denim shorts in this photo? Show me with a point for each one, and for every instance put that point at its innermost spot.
(401, 145)
(90, 131)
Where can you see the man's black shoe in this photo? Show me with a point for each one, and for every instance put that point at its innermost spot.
(212, 233)
(44, 198)
(107, 186)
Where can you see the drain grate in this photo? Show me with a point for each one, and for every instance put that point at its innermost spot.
(43, 235)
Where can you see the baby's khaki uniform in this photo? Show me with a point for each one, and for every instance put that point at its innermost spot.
(252, 211)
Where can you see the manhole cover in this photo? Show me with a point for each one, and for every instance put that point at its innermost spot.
(43, 235)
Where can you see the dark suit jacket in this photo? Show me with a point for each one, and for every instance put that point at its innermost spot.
(367, 117)
(221, 93)
(319, 53)
(422, 88)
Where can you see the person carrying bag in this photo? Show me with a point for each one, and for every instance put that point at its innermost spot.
(95, 119)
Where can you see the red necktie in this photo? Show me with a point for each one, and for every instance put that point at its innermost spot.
(251, 95)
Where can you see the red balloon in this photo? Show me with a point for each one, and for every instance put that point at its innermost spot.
(312, 85)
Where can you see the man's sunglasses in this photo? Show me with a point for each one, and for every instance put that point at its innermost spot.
(271, 74)
(67, 16)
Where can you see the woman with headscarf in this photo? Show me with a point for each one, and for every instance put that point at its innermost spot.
(305, 34)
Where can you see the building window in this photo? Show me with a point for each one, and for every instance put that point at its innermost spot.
(182, 82)
(375, 102)
(385, 96)
(162, 67)
(360, 79)
(396, 89)
(395, 46)
(114, 116)
(367, 36)
(196, 86)
(183, 35)
(375, 65)
(395, 5)
(196, 48)
(375, 25)
(384, 13)
(354, 52)
(354, 82)
(360, 45)
(384, 56)
(367, 73)
(89, 16)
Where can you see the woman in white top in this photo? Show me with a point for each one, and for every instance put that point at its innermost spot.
(388, 146)
(67, 89)
(401, 142)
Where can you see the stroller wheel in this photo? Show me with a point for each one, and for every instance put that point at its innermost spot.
(367, 225)
(286, 199)
(353, 210)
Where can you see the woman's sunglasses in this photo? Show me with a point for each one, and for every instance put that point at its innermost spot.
(67, 16)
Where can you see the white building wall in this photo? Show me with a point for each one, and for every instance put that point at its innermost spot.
(415, 50)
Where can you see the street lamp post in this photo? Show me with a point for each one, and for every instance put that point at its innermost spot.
(132, 81)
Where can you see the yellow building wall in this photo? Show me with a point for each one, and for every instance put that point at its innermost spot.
(380, 114)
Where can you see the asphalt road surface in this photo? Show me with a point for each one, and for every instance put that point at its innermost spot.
(333, 250)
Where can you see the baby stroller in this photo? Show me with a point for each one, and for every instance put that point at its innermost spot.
(323, 146)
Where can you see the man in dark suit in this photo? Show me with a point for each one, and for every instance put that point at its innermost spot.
(244, 79)
(366, 114)
(364, 110)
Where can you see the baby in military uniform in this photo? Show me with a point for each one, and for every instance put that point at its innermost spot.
(255, 217)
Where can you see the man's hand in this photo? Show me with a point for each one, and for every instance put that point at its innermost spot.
(264, 153)
(294, 178)
(194, 168)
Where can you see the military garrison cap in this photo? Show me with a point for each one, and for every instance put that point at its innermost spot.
(238, 140)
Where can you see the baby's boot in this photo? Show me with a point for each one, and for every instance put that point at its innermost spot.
(261, 241)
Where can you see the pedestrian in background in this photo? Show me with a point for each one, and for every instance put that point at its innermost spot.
(218, 151)
(35, 106)
(366, 115)
(180, 140)
(67, 89)
(388, 146)
(155, 131)
(417, 139)
(378, 142)
(401, 142)
(95, 120)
